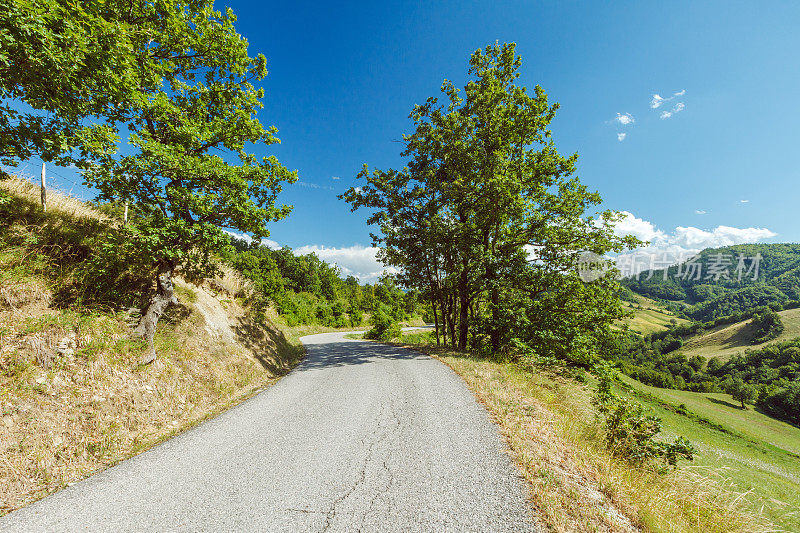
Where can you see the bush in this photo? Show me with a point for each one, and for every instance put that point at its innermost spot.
(768, 326)
(630, 432)
(384, 326)
(782, 401)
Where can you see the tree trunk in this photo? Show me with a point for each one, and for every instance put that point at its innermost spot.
(162, 299)
(463, 311)
(451, 315)
(495, 333)
(435, 319)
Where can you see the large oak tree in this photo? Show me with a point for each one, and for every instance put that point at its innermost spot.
(488, 219)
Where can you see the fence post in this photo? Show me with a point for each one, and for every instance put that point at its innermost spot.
(44, 191)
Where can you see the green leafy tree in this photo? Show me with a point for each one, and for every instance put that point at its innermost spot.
(59, 62)
(63, 62)
(174, 171)
(740, 391)
(488, 221)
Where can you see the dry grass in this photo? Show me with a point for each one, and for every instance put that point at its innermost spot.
(728, 340)
(57, 202)
(232, 282)
(63, 417)
(576, 485)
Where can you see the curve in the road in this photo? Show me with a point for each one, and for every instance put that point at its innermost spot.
(359, 437)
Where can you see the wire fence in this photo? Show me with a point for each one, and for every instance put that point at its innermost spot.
(54, 179)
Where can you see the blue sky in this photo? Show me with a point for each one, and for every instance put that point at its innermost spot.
(344, 76)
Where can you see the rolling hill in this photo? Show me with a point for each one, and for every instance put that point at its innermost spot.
(715, 283)
(727, 340)
(753, 454)
(649, 316)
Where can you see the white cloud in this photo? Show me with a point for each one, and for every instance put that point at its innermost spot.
(639, 228)
(358, 190)
(677, 108)
(359, 261)
(685, 240)
(699, 212)
(657, 101)
(334, 177)
(624, 119)
(744, 201)
(272, 245)
(621, 136)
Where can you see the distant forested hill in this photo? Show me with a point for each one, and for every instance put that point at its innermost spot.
(720, 281)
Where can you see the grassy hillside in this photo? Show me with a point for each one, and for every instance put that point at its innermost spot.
(649, 316)
(553, 432)
(727, 340)
(755, 454)
(73, 399)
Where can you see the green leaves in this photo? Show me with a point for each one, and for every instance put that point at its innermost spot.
(188, 166)
(630, 433)
(488, 220)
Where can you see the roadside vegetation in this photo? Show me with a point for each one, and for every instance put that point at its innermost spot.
(305, 290)
(73, 397)
(560, 440)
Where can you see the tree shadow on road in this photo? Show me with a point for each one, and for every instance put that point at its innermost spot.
(340, 353)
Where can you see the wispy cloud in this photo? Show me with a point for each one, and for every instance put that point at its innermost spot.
(314, 185)
(334, 177)
(677, 108)
(699, 212)
(657, 101)
(744, 201)
(621, 136)
(624, 118)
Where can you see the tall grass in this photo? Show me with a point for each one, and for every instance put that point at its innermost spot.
(576, 483)
(57, 202)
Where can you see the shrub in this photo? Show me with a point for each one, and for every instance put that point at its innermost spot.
(630, 433)
(768, 326)
(384, 326)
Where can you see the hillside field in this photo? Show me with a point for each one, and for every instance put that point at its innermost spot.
(758, 456)
(649, 316)
(727, 340)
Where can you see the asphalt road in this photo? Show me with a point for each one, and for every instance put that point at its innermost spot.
(359, 437)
